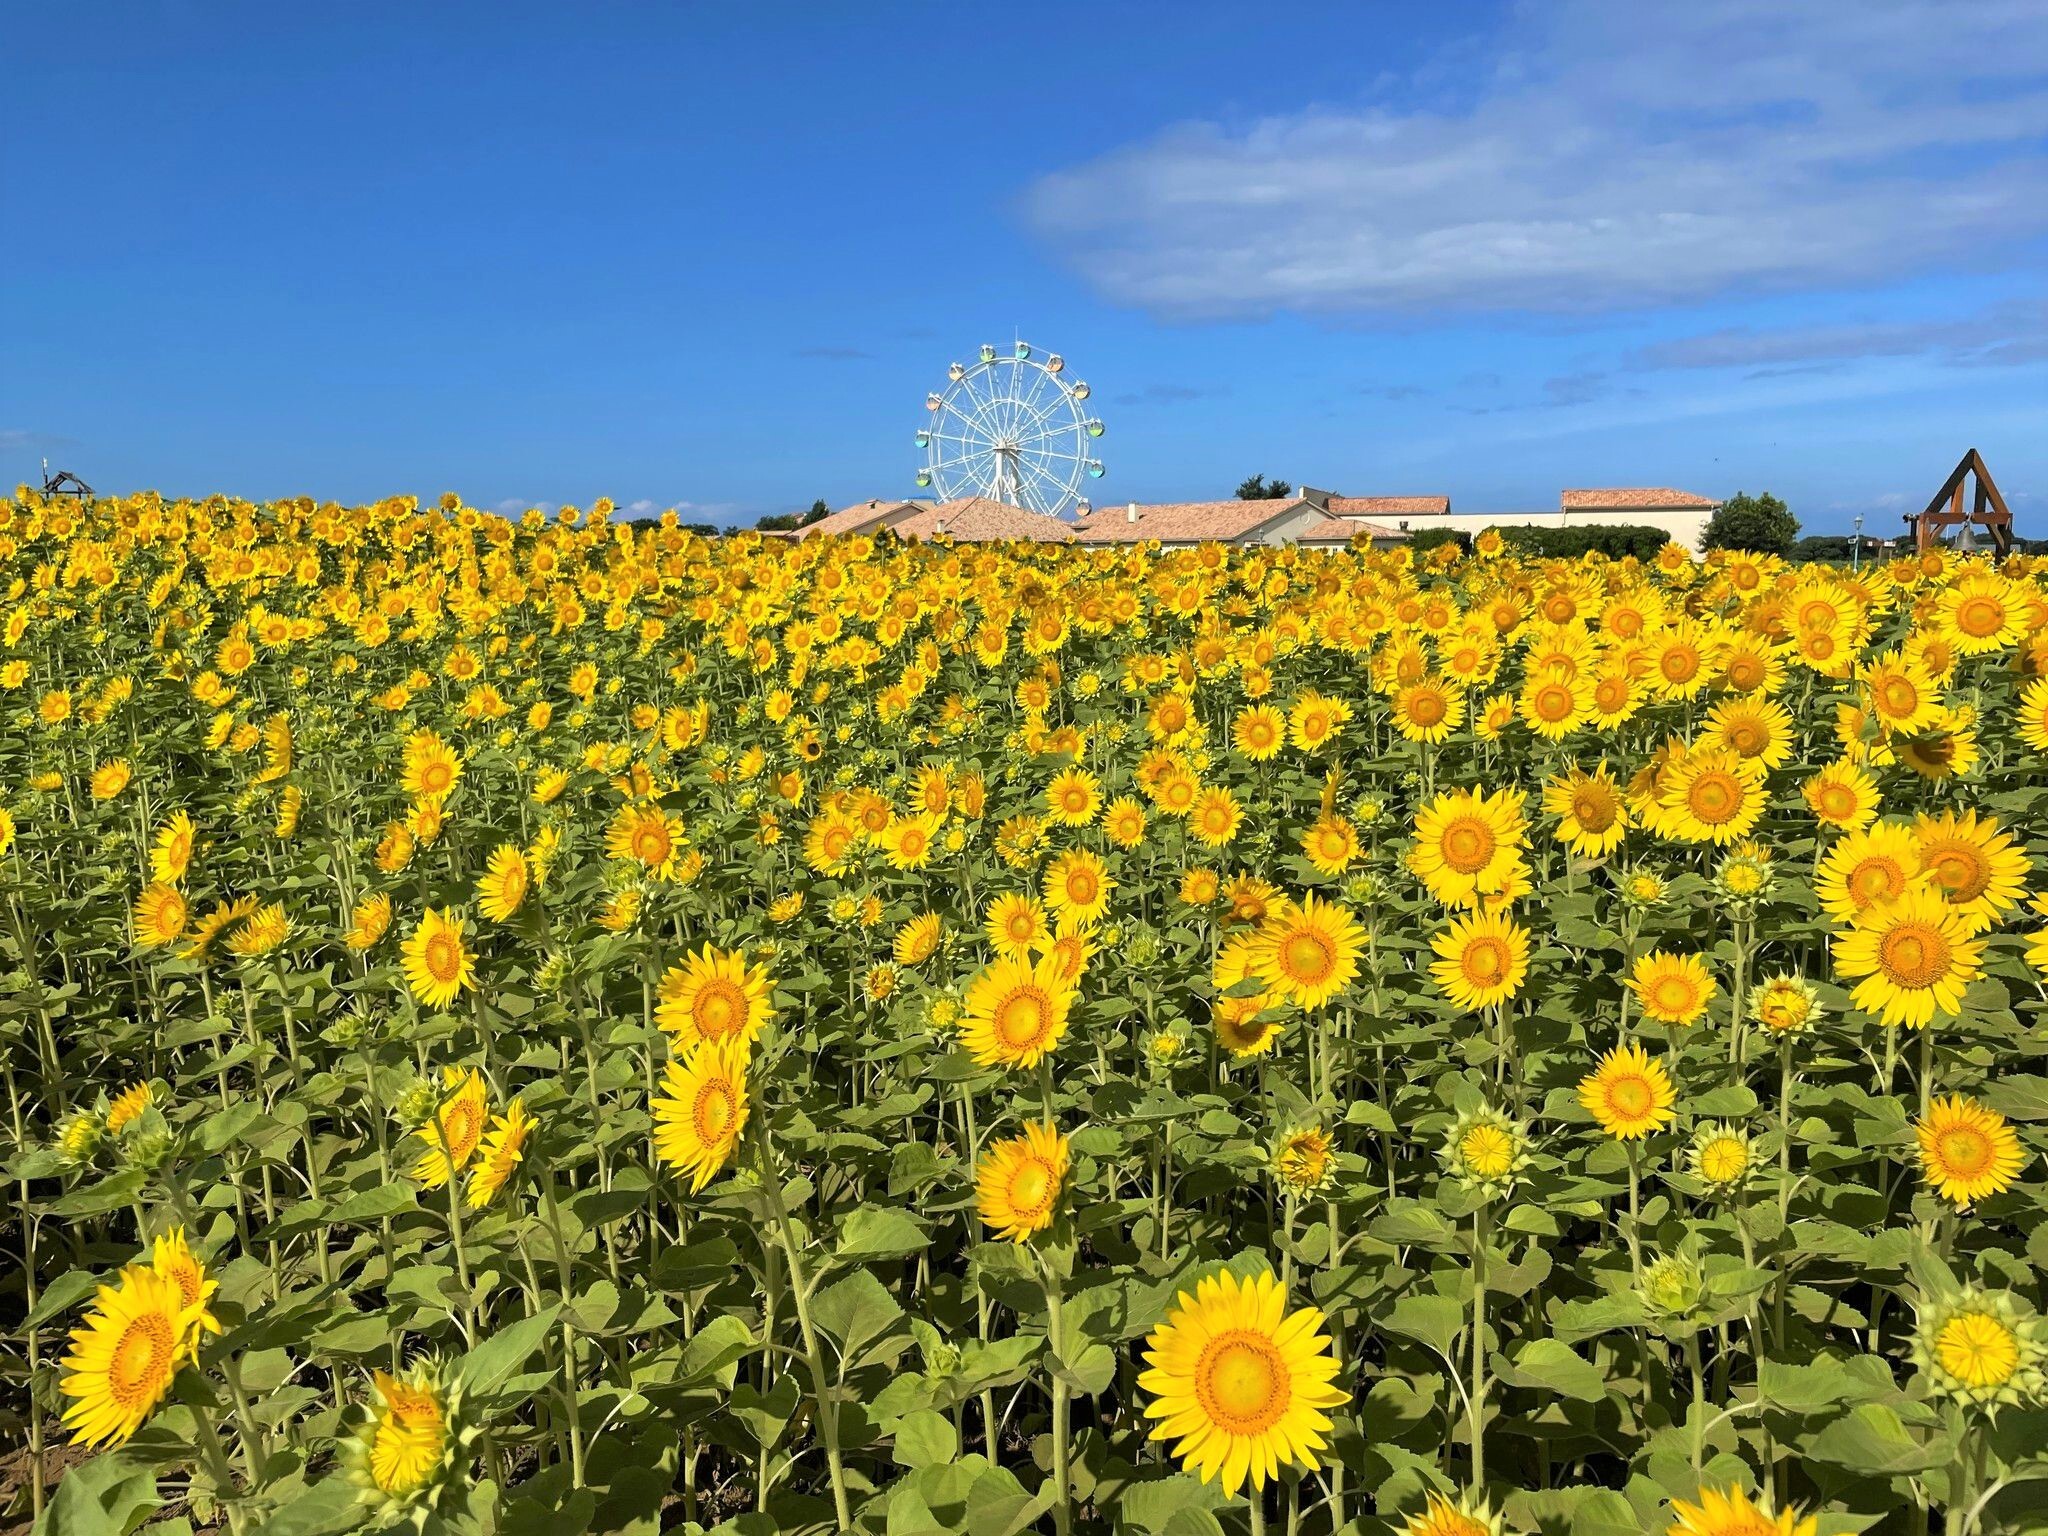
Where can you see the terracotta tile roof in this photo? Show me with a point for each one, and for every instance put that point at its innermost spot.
(1388, 506)
(1341, 530)
(858, 516)
(1182, 522)
(978, 520)
(1632, 498)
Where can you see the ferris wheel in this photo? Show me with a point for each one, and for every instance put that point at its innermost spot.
(1010, 427)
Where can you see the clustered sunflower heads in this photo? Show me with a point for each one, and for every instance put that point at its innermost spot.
(1982, 1348)
(407, 1453)
(1486, 1151)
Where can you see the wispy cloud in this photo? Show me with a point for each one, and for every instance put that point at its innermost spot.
(2003, 334)
(1601, 156)
(18, 439)
(1165, 394)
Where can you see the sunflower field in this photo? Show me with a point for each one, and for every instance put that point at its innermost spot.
(559, 1025)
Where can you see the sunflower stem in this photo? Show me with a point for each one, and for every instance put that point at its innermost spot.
(1476, 1400)
(814, 1354)
(1062, 1476)
(217, 1468)
(1635, 1208)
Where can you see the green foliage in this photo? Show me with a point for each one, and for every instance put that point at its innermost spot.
(1761, 524)
(1259, 488)
(1616, 541)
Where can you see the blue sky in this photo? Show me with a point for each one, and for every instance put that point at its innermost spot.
(714, 257)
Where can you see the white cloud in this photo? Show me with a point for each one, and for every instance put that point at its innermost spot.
(1604, 157)
(2000, 334)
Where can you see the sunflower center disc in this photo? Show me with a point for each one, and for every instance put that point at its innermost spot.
(1244, 1382)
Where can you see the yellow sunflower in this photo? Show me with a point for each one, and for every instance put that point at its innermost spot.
(1260, 731)
(1592, 814)
(702, 1109)
(405, 1442)
(170, 854)
(1733, 1513)
(647, 836)
(1482, 959)
(917, 940)
(1672, 989)
(501, 888)
(369, 921)
(432, 767)
(1240, 1384)
(499, 1157)
(125, 1354)
(455, 1129)
(1628, 1093)
(715, 995)
(1308, 951)
(1979, 868)
(1330, 844)
(1016, 1012)
(438, 965)
(1915, 957)
(161, 913)
(1073, 797)
(1867, 871)
(1468, 844)
(1077, 887)
(1017, 1182)
(1842, 795)
(1015, 924)
(1709, 795)
(1967, 1150)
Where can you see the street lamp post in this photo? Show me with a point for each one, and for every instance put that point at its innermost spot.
(1856, 549)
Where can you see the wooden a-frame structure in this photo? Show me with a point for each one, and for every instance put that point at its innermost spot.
(1987, 510)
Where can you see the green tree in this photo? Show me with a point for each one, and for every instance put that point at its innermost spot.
(1258, 488)
(776, 522)
(1761, 524)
